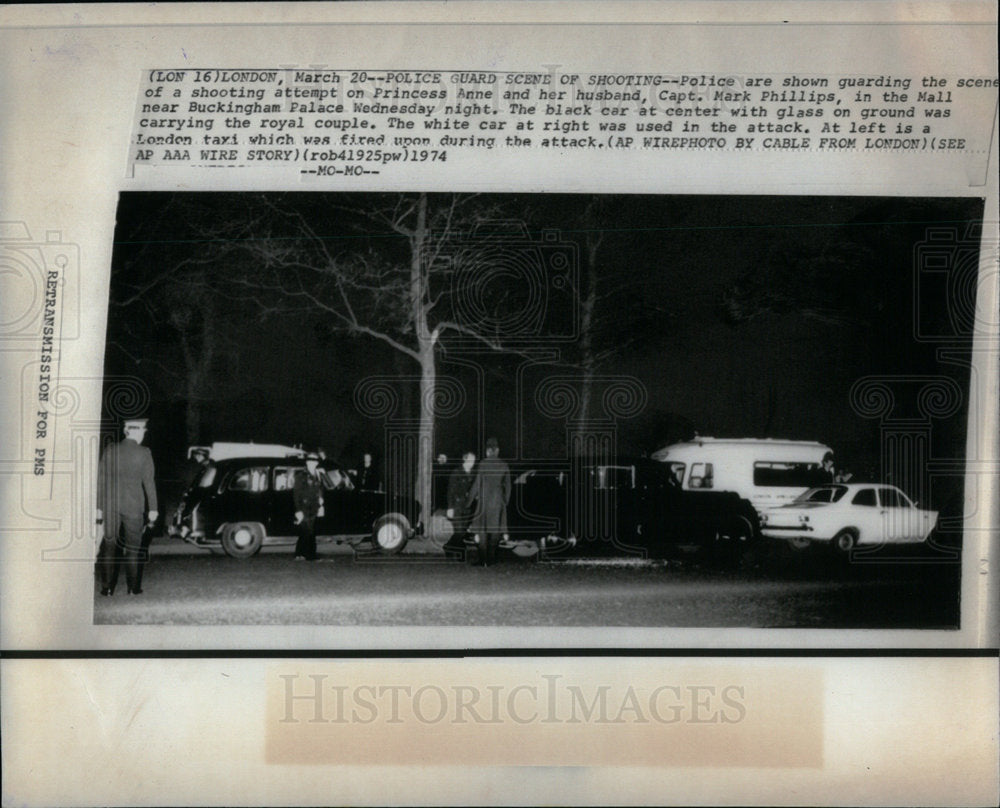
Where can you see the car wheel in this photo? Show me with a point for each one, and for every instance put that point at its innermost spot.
(390, 533)
(740, 531)
(242, 539)
(724, 546)
(845, 541)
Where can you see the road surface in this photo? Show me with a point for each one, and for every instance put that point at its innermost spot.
(812, 589)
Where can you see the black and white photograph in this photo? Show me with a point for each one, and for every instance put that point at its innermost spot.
(475, 403)
(499, 409)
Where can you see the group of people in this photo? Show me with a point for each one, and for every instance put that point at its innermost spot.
(476, 501)
(827, 473)
(477, 497)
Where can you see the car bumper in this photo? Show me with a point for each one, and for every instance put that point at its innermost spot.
(797, 531)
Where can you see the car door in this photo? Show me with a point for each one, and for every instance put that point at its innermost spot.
(867, 516)
(246, 495)
(283, 502)
(346, 511)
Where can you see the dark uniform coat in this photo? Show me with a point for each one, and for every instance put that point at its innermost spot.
(460, 485)
(125, 490)
(307, 492)
(368, 479)
(492, 490)
(125, 480)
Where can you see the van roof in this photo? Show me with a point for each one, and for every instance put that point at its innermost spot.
(740, 443)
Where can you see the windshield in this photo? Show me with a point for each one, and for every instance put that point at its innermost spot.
(830, 493)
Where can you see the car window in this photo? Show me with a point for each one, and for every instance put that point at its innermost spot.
(890, 498)
(784, 475)
(677, 472)
(284, 479)
(825, 494)
(540, 477)
(250, 479)
(865, 497)
(701, 476)
(614, 477)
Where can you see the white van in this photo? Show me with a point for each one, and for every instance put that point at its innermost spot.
(767, 471)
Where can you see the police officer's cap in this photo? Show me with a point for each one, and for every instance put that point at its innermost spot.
(312, 456)
(135, 422)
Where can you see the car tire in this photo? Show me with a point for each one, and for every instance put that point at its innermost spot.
(844, 541)
(741, 531)
(390, 533)
(242, 539)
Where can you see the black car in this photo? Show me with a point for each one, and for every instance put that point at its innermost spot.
(632, 506)
(242, 504)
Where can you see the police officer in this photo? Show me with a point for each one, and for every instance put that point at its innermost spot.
(308, 496)
(492, 490)
(125, 488)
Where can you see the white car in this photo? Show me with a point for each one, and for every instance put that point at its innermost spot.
(848, 515)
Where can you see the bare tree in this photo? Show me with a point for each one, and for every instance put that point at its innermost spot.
(385, 269)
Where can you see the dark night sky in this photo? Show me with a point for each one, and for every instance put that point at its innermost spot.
(742, 316)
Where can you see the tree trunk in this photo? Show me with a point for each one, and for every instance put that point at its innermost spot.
(425, 451)
(426, 343)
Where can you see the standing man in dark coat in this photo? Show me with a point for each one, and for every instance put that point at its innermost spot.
(459, 487)
(492, 490)
(368, 477)
(125, 489)
(307, 492)
(440, 477)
